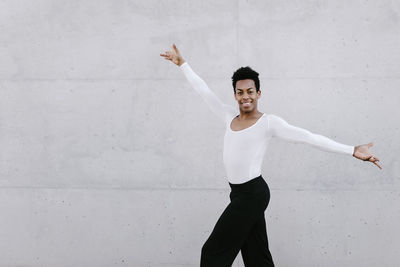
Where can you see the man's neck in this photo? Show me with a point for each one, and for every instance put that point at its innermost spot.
(249, 115)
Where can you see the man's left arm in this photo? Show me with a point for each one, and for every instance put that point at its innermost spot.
(281, 129)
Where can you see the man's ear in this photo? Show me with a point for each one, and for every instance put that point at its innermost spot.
(258, 94)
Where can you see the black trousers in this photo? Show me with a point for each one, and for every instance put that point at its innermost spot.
(241, 226)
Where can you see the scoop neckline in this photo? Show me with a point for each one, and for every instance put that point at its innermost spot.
(230, 122)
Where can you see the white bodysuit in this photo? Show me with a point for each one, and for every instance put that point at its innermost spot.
(242, 157)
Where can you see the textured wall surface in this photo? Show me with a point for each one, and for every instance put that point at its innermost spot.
(109, 158)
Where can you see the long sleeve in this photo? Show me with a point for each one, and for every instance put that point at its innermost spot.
(220, 109)
(281, 129)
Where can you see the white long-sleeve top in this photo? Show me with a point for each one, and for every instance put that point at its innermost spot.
(243, 159)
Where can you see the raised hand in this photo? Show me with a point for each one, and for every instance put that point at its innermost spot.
(362, 152)
(174, 55)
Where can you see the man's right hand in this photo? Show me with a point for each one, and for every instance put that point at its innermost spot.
(174, 55)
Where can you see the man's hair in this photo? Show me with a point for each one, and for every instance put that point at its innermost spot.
(245, 73)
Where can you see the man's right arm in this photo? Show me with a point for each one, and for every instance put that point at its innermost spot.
(215, 104)
(221, 110)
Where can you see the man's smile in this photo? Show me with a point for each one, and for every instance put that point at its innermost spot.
(246, 104)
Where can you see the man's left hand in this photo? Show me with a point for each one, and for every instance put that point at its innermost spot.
(362, 152)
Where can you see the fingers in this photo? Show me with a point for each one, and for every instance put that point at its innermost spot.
(167, 58)
(375, 160)
(372, 158)
(173, 55)
(367, 158)
(370, 144)
(175, 48)
(170, 54)
(377, 164)
(167, 55)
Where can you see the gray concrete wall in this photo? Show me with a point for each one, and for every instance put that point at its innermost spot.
(109, 158)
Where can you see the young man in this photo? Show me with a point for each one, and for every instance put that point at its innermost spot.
(242, 224)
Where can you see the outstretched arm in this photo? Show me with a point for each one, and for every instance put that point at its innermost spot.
(219, 108)
(281, 129)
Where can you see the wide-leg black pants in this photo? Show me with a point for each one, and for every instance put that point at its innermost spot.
(241, 227)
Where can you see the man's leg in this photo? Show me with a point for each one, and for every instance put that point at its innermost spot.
(227, 237)
(255, 251)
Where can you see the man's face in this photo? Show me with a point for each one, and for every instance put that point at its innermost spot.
(246, 95)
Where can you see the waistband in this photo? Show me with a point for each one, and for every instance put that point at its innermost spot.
(251, 184)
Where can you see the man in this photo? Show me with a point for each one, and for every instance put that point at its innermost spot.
(241, 227)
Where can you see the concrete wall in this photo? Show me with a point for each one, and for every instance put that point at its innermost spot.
(109, 158)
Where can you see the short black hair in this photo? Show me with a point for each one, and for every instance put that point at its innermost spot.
(244, 73)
